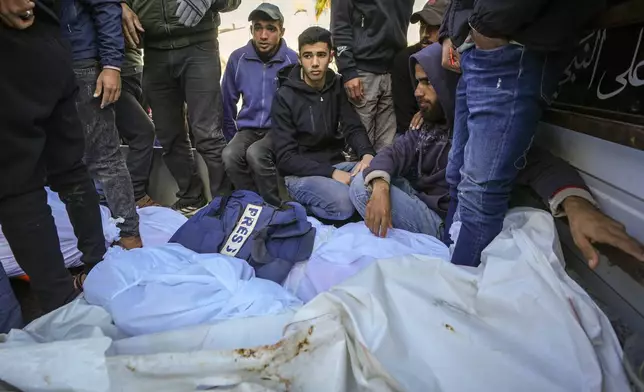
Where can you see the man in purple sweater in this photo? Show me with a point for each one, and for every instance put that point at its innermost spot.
(405, 186)
(251, 73)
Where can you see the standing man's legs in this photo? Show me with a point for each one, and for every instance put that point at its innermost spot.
(456, 154)
(261, 160)
(376, 110)
(68, 176)
(368, 106)
(29, 227)
(103, 156)
(385, 129)
(234, 158)
(35, 93)
(162, 87)
(200, 78)
(137, 129)
(504, 90)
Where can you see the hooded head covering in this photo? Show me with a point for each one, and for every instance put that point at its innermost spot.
(443, 81)
(434, 140)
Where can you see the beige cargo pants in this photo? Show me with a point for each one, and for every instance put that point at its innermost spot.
(376, 109)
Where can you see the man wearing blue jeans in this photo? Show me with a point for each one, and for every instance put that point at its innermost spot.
(312, 120)
(512, 54)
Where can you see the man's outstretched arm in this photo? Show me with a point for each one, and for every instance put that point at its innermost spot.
(565, 192)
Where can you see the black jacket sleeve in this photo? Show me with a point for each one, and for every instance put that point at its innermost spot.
(444, 32)
(288, 158)
(503, 18)
(547, 174)
(342, 30)
(352, 129)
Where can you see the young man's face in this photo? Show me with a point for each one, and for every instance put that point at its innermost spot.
(315, 60)
(427, 98)
(428, 34)
(267, 35)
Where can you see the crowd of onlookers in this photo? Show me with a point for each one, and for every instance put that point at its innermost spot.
(409, 137)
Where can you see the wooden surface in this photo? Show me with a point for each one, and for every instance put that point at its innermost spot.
(620, 132)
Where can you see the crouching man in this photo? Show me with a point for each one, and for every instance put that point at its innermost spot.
(251, 73)
(312, 122)
(405, 185)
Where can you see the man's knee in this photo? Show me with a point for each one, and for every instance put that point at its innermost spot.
(259, 156)
(146, 136)
(207, 144)
(358, 193)
(342, 208)
(233, 155)
(77, 174)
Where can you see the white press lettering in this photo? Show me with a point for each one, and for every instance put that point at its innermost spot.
(242, 231)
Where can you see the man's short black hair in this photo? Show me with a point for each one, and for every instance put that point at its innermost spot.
(313, 35)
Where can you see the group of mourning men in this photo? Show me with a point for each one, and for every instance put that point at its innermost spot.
(412, 138)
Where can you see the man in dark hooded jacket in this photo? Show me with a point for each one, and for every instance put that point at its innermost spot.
(405, 187)
(312, 121)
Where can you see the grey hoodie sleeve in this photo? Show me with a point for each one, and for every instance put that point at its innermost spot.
(342, 31)
(395, 160)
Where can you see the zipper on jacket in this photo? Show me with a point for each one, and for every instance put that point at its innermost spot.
(261, 119)
(312, 119)
(326, 126)
(362, 21)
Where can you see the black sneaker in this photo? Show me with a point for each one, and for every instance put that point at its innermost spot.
(189, 207)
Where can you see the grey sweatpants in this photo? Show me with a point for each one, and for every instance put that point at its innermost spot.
(376, 110)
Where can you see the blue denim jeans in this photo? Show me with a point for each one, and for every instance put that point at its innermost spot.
(408, 212)
(323, 197)
(499, 102)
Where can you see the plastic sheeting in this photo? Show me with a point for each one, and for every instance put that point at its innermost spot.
(342, 253)
(157, 225)
(162, 288)
(515, 323)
